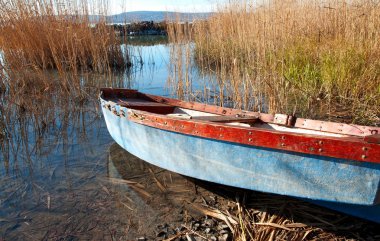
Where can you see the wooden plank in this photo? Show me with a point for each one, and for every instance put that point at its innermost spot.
(144, 105)
(139, 102)
(218, 110)
(333, 127)
(345, 148)
(153, 109)
(226, 119)
(117, 93)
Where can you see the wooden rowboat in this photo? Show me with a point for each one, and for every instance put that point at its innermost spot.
(331, 164)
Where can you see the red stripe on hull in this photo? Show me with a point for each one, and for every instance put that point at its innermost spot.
(351, 148)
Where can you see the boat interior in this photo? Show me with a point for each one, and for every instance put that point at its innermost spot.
(200, 112)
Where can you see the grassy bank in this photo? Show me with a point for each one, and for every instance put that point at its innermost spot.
(36, 36)
(318, 59)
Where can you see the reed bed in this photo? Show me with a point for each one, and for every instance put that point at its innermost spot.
(36, 36)
(317, 59)
(181, 65)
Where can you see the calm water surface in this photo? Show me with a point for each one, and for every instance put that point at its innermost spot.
(63, 177)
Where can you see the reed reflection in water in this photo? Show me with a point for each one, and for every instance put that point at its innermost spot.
(52, 148)
(62, 176)
(54, 153)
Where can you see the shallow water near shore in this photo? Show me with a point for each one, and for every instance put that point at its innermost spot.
(61, 174)
(62, 177)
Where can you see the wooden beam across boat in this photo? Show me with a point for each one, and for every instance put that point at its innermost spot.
(227, 119)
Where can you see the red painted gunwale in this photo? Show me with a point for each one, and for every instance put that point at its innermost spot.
(350, 148)
(325, 126)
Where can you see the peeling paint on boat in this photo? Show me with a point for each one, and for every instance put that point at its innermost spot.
(344, 183)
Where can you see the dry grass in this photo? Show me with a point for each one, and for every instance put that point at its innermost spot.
(36, 36)
(317, 59)
(181, 57)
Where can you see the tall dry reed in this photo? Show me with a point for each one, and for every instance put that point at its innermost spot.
(181, 55)
(36, 36)
(318, 59)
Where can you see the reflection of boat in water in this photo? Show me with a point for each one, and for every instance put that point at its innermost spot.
(332, 164)
(125, 168)
(123, 165)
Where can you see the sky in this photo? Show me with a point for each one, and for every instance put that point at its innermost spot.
(119, 6)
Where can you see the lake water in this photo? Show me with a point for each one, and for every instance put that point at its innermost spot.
(62, 177)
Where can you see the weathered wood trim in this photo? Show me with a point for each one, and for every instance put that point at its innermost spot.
(226, 119)
(325, 126)
(333, 127)
(118, 92)
(209, 108)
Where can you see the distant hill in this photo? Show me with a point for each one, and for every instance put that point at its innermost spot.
(155, 16)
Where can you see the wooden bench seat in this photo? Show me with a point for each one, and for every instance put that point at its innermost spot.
(144, 105)
(226, 119)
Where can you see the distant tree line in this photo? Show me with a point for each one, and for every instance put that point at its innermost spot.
(141, 28)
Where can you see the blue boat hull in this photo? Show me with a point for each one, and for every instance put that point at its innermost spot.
(348, 186)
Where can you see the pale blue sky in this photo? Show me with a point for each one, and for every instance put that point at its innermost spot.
(118, 6)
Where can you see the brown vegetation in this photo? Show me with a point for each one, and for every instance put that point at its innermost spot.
(318, 59)
(36, 36)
